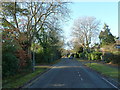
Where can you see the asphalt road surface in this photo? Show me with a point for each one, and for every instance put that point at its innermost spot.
(69, 73)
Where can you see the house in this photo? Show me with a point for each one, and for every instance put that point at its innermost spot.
(117, 45)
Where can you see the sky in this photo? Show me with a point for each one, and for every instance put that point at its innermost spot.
(105, 12)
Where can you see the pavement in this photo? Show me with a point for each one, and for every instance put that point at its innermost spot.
(70, 73)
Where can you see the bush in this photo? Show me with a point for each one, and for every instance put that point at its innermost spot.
(76, 55)
(39, 58)
(95, 56)
(116, 58)
(112, 57)
(9, 64)
(82, 55)
(108, 57)
(89, 56)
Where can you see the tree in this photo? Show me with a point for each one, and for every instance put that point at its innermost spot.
(106, 36)
(10, 62)
(70, 44)
(33, 17)
(78, 49)
(30, 22)
(84, 29)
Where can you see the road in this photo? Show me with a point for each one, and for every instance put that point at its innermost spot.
(70, 73)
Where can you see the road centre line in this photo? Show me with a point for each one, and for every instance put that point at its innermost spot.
(110, 83)
(81, 78)
(79, 75)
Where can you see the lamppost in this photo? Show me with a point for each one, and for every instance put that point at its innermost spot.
(33, 53)
(33, 60)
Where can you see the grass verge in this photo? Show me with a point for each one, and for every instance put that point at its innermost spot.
(56, 61)
(82, 60)
(47, 65)
(104, 70)
(20, 79)
(14, 82)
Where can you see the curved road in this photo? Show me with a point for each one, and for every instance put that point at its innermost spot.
(70, 73)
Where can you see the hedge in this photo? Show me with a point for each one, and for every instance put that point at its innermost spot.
(94, 56)
(112, 57)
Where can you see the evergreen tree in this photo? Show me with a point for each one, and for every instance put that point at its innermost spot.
(106, 36)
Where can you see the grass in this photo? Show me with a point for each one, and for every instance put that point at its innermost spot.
(82, 60)
(51, 63)
(14, 82)
(56, 61)
(47, 65)
(20, 79)
(105, 70)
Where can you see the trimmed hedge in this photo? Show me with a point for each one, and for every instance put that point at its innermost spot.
(116, 57)
(107, 57)
(112, 57)
(94, 56)
(89, 56)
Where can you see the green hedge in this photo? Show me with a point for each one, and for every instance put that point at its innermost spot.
(116, 57)
(10, 64)
(89, 56)
(76, 55)
(94, 56)
(107, 57)
(112, 57)
(82, 55)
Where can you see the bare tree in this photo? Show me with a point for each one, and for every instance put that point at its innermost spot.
(84, 29)
(26, 21)
(31, 17)
(70, 44)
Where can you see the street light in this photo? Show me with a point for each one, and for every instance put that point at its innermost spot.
(33, 53)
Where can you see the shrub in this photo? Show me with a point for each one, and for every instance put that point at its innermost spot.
(89, 56)
(82, 55)
(9, 64)
(112, 57)
(116, 58)
(39, 57)
(95, 56)
(108, 57)
(76, 55)
(86, 55)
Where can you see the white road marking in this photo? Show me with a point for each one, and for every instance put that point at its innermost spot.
(110, 83)
(81, 78)
(79, 75)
